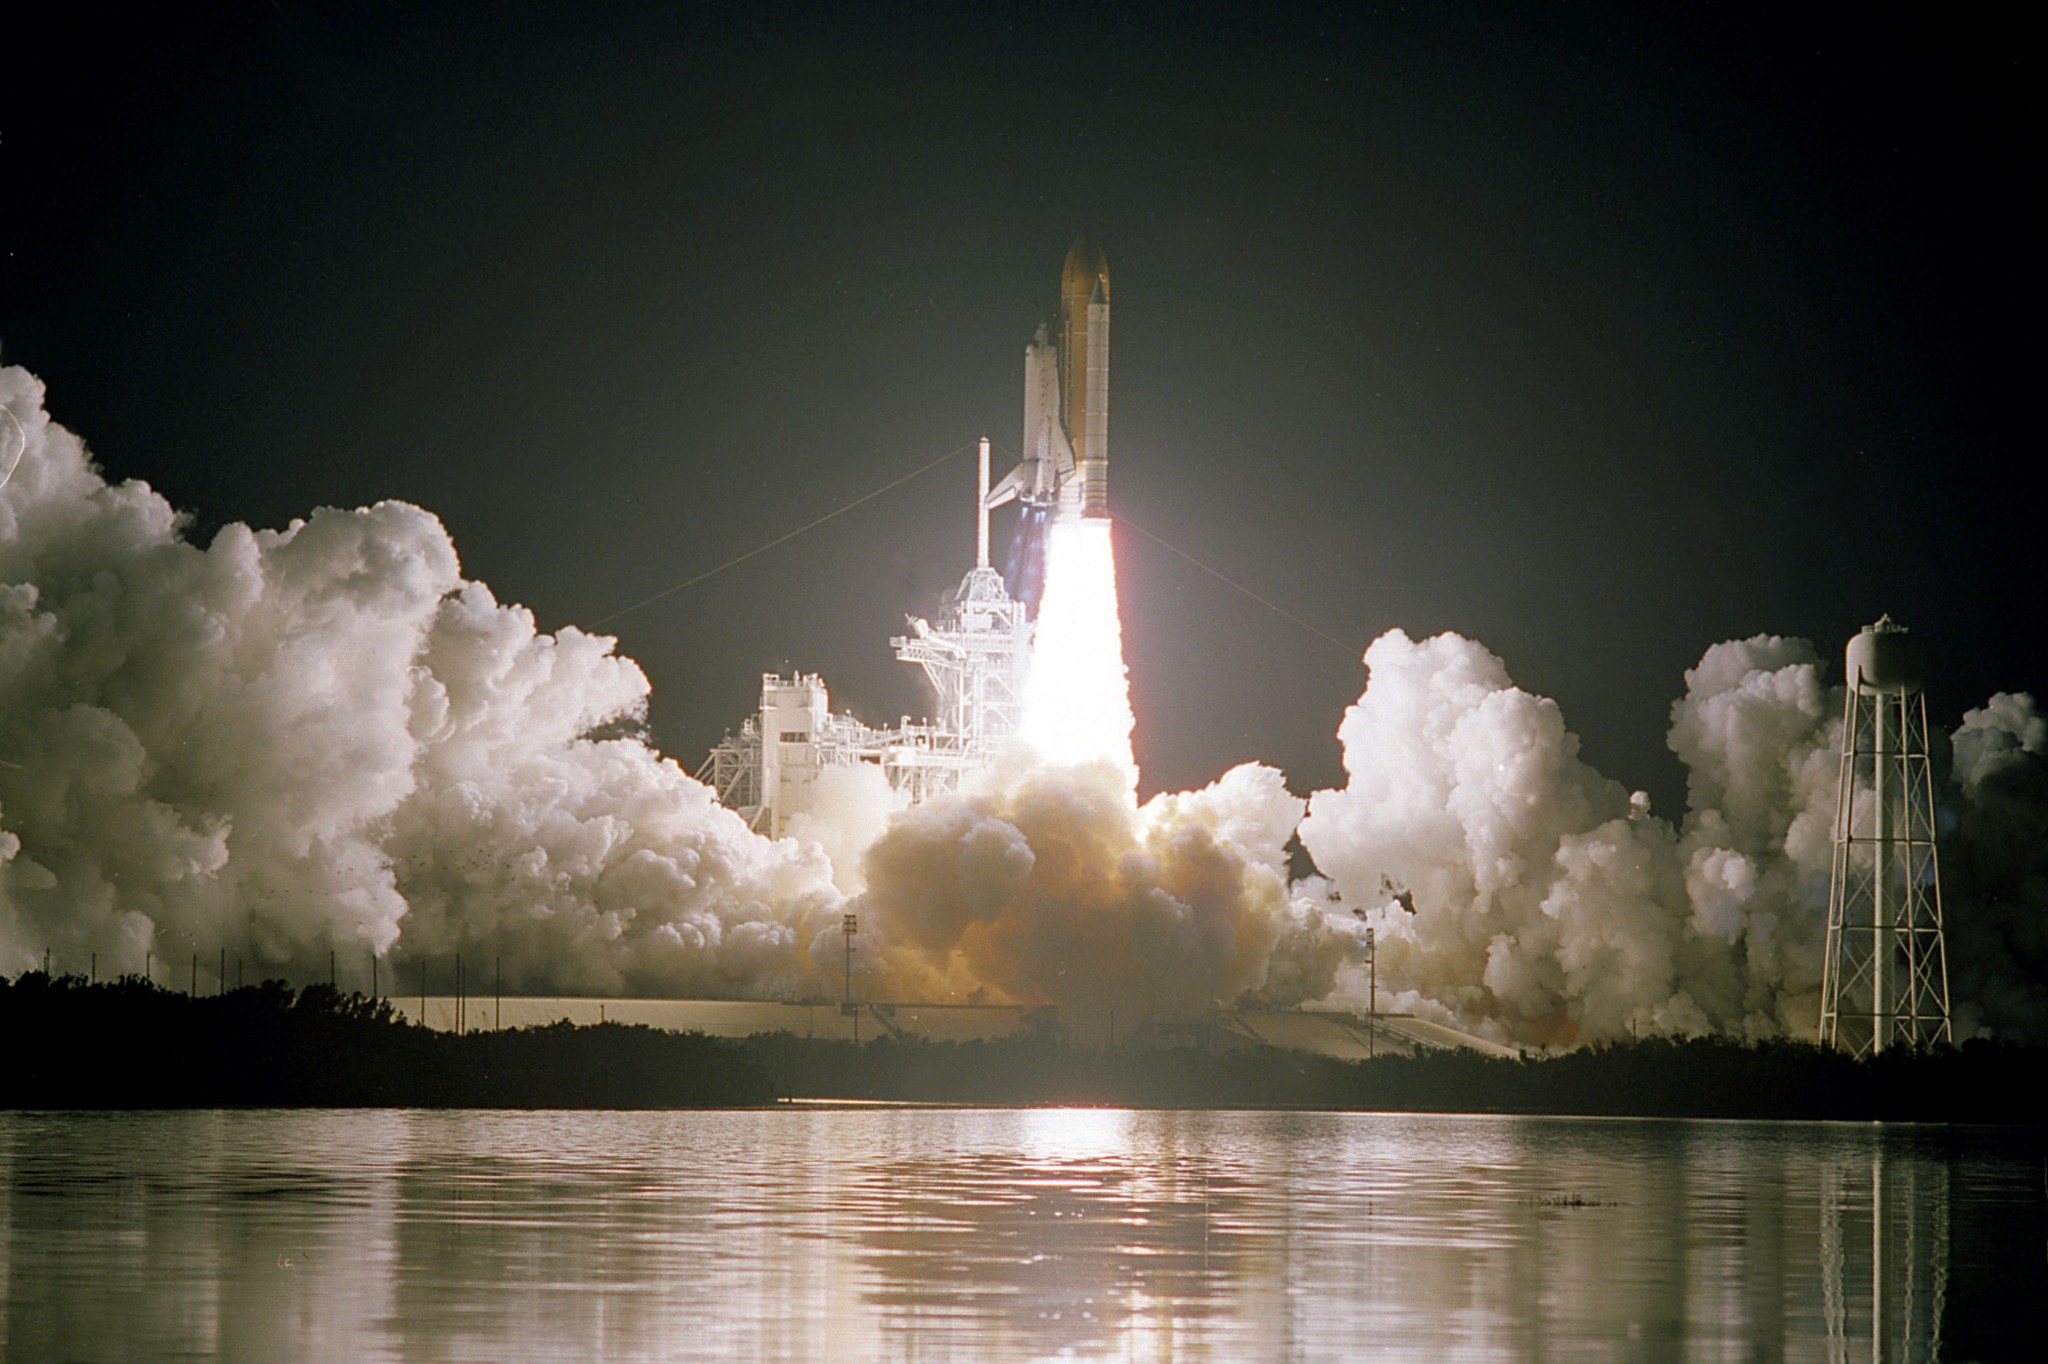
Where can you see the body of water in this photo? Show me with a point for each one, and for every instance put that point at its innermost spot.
(932, 1234)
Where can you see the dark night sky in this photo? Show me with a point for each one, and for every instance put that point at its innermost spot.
(1599, 333)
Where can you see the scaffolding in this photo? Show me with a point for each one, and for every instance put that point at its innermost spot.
(974, 656)
(975, 660)
(768, 771)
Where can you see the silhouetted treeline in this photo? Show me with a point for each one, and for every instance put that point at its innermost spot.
(1979, 1082)
(132, 1044)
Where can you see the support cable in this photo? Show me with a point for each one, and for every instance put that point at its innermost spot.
(926, 468)
(737, 560)
(1226, 579)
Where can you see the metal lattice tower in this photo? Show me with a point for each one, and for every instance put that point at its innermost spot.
(975, 658)
(976, 655)
(1884, 980)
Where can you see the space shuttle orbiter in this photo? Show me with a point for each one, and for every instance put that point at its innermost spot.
(1065, 463)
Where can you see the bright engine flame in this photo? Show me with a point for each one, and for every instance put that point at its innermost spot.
(1077, 699)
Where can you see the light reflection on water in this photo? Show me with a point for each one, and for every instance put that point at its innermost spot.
(933, 1234)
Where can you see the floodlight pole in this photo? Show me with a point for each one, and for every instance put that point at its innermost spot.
(851, 925)
(1372, 996)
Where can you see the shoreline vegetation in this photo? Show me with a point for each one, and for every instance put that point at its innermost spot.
(129, 1043)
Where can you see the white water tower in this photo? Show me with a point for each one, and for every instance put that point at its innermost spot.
(1884, 981)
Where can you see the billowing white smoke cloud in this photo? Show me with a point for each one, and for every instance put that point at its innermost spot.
(1547, 906)
(1551, 907)
(324, 738)
(1759, 735)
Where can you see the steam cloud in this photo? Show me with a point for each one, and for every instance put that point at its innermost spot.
(1552, 907)
(324, 738)
(1049, 883)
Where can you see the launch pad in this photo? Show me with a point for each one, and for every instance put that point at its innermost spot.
(976, 655)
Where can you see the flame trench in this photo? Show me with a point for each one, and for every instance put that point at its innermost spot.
(1077, 697)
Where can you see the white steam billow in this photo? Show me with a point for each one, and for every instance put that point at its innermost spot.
(324, 738)
(1551, 907)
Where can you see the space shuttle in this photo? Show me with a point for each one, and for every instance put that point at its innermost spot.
(1064, 469)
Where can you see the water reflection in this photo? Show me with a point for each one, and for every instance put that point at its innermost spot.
(1884, 1257)
(892, 1234)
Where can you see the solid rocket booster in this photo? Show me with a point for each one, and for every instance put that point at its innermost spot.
(1084, 373)
(1065, 460)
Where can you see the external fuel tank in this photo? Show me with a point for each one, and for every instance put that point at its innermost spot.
(1084, 370)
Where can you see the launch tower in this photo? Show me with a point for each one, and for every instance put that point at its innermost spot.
(975, 656)
(1884, 978)
(977, 649)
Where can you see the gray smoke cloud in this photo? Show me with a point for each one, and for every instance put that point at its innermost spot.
(1546, 902)
(1047, 884)
(1995, 869)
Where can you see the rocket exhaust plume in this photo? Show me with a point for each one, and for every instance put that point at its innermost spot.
(1077, 698)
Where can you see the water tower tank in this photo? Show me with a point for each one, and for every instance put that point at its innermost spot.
(1885, 659)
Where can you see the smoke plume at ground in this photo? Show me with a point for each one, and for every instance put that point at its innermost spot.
(1050, 884)
(323, 738)
(1551, 906)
